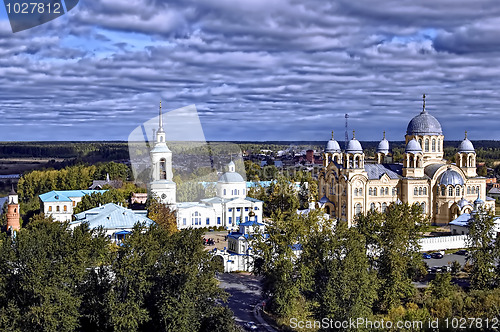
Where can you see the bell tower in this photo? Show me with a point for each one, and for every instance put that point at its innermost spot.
(13, 211)
(162, 187)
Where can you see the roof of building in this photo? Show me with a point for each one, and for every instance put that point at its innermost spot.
(12, 191)
(354, 146)
(251, 223)
(431, 169)
(494, 190)
(230, 177)
(424, 124)
(383, 146)
(462, 220)
(160, 148)
(324, 200)
(451, 177)
(463, 202)
(376, 171)
(66, 195)
(413, 147)
(490, 198)
(466, 146)
(332, 146)
(112, 216)
(99, 184)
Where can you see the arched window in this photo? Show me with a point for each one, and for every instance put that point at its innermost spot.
(57, 208)
(372, 206)
(426, 145)
(224, 192)
(443, 191)
(420, 142)
(458, 190)
(163, 169)
(415, 191)
(424, 191)
(450, 191)
(477, 190)
(374, 191)
(471, 164)
(381, 191)
(420, 191)
(15, 210)
(468, 190)
(423, 207)
(356, 192)
(384, 207)
(50, 208)
(439, 145)
(358, 209)
(393, 191)
(360, 191)
(370, 191)
(473, 190)
(387, 190)
(433, 145)
(65, 208)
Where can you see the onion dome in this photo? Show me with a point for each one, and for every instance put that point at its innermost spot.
(466, 146)
(324, 200)
(424, 124)
(332, 145)
(354, 146)
(383, 146)
(413, 147)
(451, 177)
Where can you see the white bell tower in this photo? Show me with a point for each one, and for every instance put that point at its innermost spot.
(162, 187)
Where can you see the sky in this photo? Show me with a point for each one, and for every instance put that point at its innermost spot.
(255, 69)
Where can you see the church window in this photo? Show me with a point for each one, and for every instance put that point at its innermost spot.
(372, 206)
(426, 145)
(424, 191)
(384, 207)
(374, 191)
(458, 190)
(433, 145)
(230, 209)
(230, 220)
(370, 191)
(477, 190)
(473, 190)
(246, 218)
(196, 213)
(415, 191)
(423, 207)
(382, 191)
(356, 192)
(387, 190)
(360, 191)
(238, 209)
(393, 191)
(184, 221)
(224, 192)
(468, 190)
(450, 191)
(50, 208)
(420, 191)
(439, 145)
(163, 169)
(208, 221)
(57, 208)
(443, 191)
(65, 208)
(15, 210)
(358, 209)
(246, 209)
(74, 203)
(244, 191)
(218, 220)
(420, 141)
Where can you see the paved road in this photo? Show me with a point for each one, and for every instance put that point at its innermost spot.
(244, 293)
(446, 260)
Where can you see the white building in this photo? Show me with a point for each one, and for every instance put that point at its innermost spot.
(228, 208)
(115, 220)
(60, 203)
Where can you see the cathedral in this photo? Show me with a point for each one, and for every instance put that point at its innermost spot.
(350, 185)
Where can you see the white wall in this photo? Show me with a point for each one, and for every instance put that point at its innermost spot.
(443, 242)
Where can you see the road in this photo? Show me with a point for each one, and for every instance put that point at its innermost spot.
(446, 260)
(244, 290)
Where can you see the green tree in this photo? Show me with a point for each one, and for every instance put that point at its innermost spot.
(162, 215)
(481, 241)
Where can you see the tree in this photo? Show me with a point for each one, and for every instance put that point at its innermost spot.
(281, 196)
(163, 216)
(481, 241)
(97, 199)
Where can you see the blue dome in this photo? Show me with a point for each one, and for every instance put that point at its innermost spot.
(383, 146)
(463, 202)
(424, 124)
(451, 177)
(466, 146)
(324, 200)
(413, 147)
(332, 146)
(354, 146)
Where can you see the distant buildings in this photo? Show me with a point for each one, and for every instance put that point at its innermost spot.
(13, 211)
(60, 203)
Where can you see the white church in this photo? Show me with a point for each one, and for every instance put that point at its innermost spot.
(229, 208)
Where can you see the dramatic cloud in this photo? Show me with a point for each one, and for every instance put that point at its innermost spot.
(255, 69)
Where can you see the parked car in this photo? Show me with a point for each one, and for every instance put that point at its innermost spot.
(462, 252)
(250, 326)
(437, 255)
(446, 268)
(426, 256)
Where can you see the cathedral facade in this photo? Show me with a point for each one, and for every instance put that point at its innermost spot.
(350, 185)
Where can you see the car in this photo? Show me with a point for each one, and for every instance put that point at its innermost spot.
(426, 256)
(437, 255)
(250, 326)
(462, 252)
(446, 268)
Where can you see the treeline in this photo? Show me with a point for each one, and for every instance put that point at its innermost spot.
(324, 270)
(54, 279)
